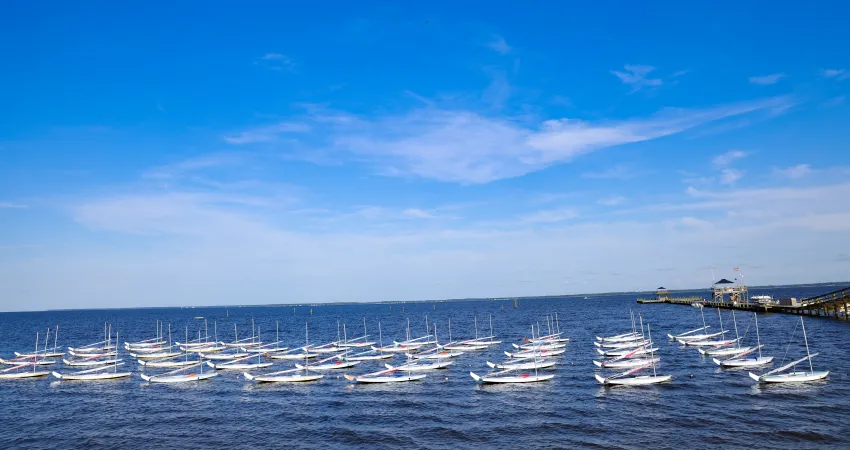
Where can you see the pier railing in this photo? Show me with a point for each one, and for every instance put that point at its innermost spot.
(835, 304)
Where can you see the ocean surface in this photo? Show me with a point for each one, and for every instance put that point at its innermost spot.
(703, 407)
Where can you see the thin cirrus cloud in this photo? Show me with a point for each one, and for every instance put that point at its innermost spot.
(767, 79)
(727, 158)
(637, 76)
(276, 61)
(795, 172)
(266, 134)
(466, 147)
(499, 45)
(836, 74)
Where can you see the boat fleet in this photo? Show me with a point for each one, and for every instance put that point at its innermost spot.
(626, 359)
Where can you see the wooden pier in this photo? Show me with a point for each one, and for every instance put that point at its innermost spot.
(832, 304)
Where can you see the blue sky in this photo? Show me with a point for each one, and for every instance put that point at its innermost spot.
(202, 153)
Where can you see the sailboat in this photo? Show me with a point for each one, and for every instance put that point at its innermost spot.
(95, 374)
(709, 342)
(739, 360)
(690, 336)
(523, 363)
(725, 350)
(506, 375)
(167, 362)
(15, 371)
(238, 364)
(173, 377)
(776, 375)
(147, 343)
(631, 359)
(291, 375)
(625, 380)
(625, 337)
(468, 345)
(390, 375)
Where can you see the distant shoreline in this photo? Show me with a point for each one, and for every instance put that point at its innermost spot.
(473, 299)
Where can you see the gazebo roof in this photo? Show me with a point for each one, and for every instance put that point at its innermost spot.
(725, 281)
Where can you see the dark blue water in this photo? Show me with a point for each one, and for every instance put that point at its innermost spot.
(714, 408)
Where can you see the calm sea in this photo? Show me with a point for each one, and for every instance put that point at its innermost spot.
(703, 407)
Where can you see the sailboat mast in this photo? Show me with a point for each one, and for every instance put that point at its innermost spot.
(235, 334)
(702, 312)
(758, 338)
(534, 352)
(450, 330)
(651, 353)
(116, 350)
(35, 358)
(720, 318)
(56, 339)
(737, 338)
(806, 340)
(475, 321)
(548, 325)
(491, 327)
(380, 336)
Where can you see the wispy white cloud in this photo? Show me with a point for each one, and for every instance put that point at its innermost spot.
(276, 61)
(837, 74)
(268, 133)
(795, 172)
(767, 79)
(730, 176)
(727, 158)
(11, 205)
(636, 75)
(612, 201)
(618, 172)
(467, 147)
(499, 45)
(549, 216)
(178, 169)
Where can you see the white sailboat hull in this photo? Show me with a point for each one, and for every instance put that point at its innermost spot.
(389, 379)
(283, 378)
(635, 381)
(744, 362)
(516, 379)
(160, 355)
(440, 355)
(90, 363)
(223, 356)
(296, 357)
(18, 375)
(238, 366)
(91, 376)
(626, 363)
(166, 364)
(709, 343)
(725, 351)
(178, 378)
(524, 366)
(368, 358)
(791, 377)
(542, 353)
(615, 353)
(466, 348)
(417, 367)
(332, 366)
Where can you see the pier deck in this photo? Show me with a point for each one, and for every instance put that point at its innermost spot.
(832, 304)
